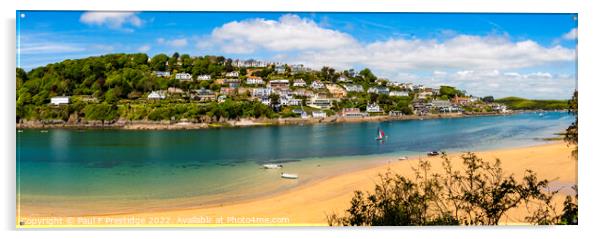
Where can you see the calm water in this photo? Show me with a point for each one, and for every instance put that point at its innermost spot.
(138, 170)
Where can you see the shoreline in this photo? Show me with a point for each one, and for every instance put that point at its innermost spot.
(307, 204)
(185, 125)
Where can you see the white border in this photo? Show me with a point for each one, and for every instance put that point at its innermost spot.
(589, 84)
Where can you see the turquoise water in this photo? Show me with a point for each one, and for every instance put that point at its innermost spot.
(137, 170)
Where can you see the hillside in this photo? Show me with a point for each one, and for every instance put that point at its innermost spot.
(516, 103)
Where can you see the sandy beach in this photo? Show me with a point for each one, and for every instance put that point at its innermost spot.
(310, 203)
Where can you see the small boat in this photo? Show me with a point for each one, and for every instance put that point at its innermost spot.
(20, 131)
(289, 175)
(43, 131)
(272, 166)
(540, 114)
(380, 135)
(433, 153)
(403, 158)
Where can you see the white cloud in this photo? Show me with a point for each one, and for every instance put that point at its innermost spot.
(304, 41)
(463, 51)
(536, 85)
(571, 35)
(144, 48)
(114, 20)
(289, 32)
(49, 47)
(177, 42)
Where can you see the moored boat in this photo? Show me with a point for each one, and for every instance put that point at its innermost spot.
(272, 166)
(289, 175)
(403, 158)
(380, 135)
(433, 153)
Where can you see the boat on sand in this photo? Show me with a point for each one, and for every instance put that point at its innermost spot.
(289, 176)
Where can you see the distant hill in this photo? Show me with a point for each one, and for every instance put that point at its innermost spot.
(517, 103)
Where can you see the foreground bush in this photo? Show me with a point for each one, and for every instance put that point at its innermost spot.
(480, 194)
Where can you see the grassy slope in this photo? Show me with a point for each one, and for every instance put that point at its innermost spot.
(517, 103)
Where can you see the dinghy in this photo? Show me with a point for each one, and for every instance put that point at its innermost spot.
(380, 135)
(289, 175)
(272, 166)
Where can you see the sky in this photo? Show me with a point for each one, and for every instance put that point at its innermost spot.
(525, 55)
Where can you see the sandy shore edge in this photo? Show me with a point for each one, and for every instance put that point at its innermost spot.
(310, 203)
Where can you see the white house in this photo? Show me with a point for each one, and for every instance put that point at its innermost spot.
(320, 103)
(379, 90)
(156, 95)
(424, 94)
(266, 100)
(352, 112)
(280, 69)
(255, 81)
(398, 93)
(183, 76)
(261, 92)
(204, 77)
(500, 108)
(373, 108)
(299, 83)
(318, 114)
(59, 100)
(295, 102)
(162, 73)
(353, 88)
(298, 68)
(343, 78)
(317, 85)
(232, 74)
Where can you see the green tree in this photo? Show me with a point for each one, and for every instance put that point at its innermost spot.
(103, 112)
(368, 76)
(480, 194)
(158, 62)
(572, 131)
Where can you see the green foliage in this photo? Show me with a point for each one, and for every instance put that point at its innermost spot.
(480, 194)
(158, 62)
(488, 99)
(103, 112)
(572, 132)
(449, 92)
(516, 103)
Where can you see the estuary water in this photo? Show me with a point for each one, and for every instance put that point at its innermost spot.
(82, 172)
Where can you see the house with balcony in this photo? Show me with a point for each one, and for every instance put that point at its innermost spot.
(232, 74)
(254, 80)
(319, 102)
(353, 88)
(163, 73)
(381, 90)
(203, 77)
(318, 114)
(279, 84)
(373, 108)
(203, 95)
(59, 100)
(316, 85)
(183, 76)
(157, 95)
(261, 92)
(299, 83)
(352, 113)
(397, 93)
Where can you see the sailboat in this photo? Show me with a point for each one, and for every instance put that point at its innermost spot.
(380, 135)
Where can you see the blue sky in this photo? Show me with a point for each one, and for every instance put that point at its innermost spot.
(528, 55)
